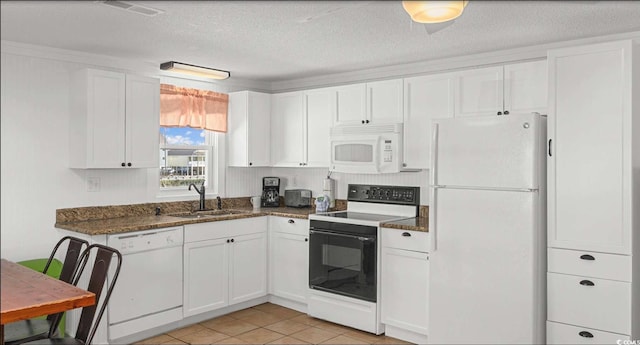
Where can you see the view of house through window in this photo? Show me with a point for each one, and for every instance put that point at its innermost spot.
(185, 157)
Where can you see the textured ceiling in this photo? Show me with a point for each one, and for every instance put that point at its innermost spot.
(286, 40)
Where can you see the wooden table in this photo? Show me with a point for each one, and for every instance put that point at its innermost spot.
(26, 293)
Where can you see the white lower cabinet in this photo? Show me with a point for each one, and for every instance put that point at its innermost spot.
(225, 263)
(289, 258)
(559, 333)
(573, 299)
(405, 275)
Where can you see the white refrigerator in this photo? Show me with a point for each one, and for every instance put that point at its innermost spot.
(487, 220)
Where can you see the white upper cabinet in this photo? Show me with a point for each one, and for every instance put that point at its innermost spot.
(351, 104)
(375, 102)
(249, 124)
(479, 92)
(502, 90)
(525, 87)
(287, 131)
(300, 128)
(114, 121)
(384, 101)
(320, 106)
(426, 98)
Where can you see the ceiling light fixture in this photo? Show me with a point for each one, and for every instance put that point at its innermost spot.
(434, 11)
(199, 71)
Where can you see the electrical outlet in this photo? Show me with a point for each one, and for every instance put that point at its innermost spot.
(93, 184)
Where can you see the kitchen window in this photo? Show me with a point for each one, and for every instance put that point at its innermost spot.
(192, 123)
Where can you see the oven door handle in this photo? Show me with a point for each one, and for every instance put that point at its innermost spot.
(359, 238)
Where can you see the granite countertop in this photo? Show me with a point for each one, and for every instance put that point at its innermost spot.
(115, 219)
(145, 222)
(414, 224)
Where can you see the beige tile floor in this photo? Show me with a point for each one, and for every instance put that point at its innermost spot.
(268, 324)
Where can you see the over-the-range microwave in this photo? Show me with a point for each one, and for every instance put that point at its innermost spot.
(366, 149)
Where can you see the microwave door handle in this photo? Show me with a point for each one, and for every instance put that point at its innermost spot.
(377, 152)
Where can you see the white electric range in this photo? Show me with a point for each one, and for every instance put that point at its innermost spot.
(344, 252)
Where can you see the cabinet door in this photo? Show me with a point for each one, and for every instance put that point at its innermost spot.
(426, 98)
(384, 101)
(105, 120)
(249, 127)
(259, 124)
(351, 105)
(238, 129)
(290, 268)
(247, 267)
(525, 87)
(590, 98)
(320, 108)
(206, 276)
(479, 92)
(142, 121)
(405, 287)
(287, 131)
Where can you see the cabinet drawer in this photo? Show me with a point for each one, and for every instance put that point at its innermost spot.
(404, 239)
(590, 264)
(294, 226)
(558, 333)
(224, 228)
(589, 302)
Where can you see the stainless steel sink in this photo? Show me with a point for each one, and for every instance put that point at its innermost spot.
(206, 214)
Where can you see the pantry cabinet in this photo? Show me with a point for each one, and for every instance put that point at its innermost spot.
(300, 128)
(369, 103)
(405, 281)
(502, 90)
(593, 153)
(249, 124)
(426, 98)
(224, 263)
(289, 258)
(114, 121)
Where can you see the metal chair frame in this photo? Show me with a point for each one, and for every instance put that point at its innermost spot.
(69, 265)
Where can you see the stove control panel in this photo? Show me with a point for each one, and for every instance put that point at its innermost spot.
(384, 194)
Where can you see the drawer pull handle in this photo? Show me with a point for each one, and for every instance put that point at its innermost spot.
(586, 334)
(587, 283)
(587, 257)
(406, 234)
(291, 221)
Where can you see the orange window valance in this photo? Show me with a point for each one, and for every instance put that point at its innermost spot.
(184, 107)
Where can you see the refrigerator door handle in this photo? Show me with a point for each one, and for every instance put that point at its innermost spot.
(432, 191)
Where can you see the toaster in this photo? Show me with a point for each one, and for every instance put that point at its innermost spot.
(297, 198)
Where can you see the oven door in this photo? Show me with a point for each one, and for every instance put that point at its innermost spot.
(343, 263)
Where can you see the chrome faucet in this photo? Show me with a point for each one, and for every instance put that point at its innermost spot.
(219, 203)
(201, 192)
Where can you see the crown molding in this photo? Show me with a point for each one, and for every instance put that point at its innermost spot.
(147, 68)
(521, 54)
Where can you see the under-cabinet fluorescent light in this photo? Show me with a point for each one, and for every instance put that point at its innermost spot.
(195, 70)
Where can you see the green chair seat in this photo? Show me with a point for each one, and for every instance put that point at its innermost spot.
(55, 268)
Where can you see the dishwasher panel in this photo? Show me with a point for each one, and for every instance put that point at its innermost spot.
(150, 280)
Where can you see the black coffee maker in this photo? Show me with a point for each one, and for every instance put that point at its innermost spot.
(270, 192)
